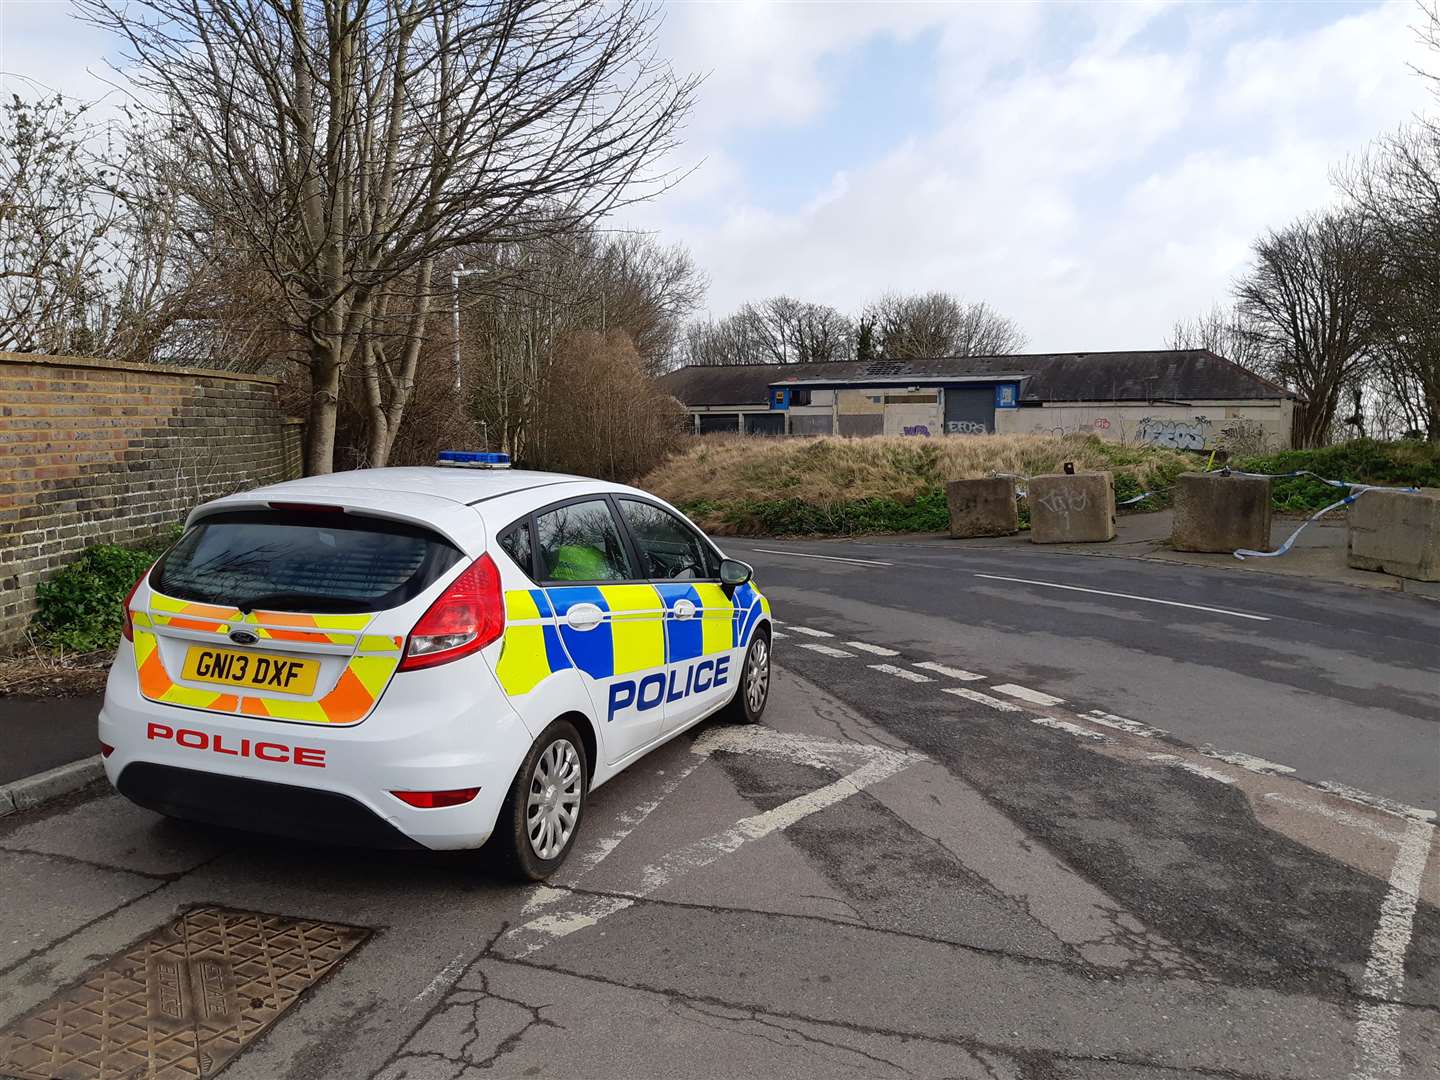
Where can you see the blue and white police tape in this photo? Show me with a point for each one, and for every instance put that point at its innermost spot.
(1355, 491)
(1136, 499)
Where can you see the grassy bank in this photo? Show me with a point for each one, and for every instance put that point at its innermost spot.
(1362, 461)
(837, 487)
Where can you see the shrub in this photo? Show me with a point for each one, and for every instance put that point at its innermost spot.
(1360, 461)
(79, 608)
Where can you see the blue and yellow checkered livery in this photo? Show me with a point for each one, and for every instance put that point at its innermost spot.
(638, 632)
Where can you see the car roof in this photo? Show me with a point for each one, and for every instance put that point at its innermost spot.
(461, 485)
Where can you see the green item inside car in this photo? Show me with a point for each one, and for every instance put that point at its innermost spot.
(580, 562)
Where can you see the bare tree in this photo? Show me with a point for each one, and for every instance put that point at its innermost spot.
(780, 330)
(644, 289)
(349, 145)
(544, 294)
(1396, 183)
(938, 324)
(89, 254)
(1225, 332)
(1309, 298)
(600, 414)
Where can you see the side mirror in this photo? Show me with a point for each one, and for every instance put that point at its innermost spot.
(734, 573)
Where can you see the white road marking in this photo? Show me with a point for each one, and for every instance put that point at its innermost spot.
(776, 633)
(900, 672)
(1344, 817)
(1379, 802)
(878, 650)
(827, 558)
(823, 650)
(1378, 1031)
(983, 699)
(1247, 761)
(443, 981)
(703, 852)
(582, 910)
(804, 749)
(1129, 596)
(582, 862)
(950, 672)
(1024, 693)
(1066, 726)
(808, 632)
(1120, 723)
(1192, 767)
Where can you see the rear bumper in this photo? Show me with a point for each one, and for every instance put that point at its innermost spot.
(237, 802)
(439, 729)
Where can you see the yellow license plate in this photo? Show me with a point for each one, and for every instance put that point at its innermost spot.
(257, 671)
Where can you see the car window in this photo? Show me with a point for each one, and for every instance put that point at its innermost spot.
(580, 542)
(669, 548)
(303, 561)
(515, 541)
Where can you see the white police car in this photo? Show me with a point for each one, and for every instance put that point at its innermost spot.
(424, 656)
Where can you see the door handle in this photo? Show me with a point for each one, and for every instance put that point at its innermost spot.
(584, 617)
(684, 609)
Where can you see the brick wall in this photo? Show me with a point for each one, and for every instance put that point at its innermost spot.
(97, 452)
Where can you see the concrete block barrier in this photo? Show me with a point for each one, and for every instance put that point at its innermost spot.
(1395, 532)
(1066, 509)
(1216, 512)
(982, 508)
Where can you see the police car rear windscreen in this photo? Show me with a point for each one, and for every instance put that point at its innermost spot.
(303, 560)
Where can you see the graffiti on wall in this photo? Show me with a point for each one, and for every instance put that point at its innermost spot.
(916, 429)
(965, 427)
(1244, 437)
(1178, 434)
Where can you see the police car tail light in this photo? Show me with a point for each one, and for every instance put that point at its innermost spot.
(466, 617)
(127, 623)
(433, 800)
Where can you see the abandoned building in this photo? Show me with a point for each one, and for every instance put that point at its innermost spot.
(1186, 398)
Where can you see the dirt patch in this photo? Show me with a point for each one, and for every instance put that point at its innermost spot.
(39, 674)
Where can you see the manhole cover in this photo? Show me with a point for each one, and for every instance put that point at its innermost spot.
(181, 1003)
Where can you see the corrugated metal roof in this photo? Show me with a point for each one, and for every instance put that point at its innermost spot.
(1156, 375)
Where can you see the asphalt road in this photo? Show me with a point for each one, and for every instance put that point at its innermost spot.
(1043, 877)
(1337, 682)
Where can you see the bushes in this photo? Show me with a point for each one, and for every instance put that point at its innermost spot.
(79, 608)
(1362, 461)
(927, 513)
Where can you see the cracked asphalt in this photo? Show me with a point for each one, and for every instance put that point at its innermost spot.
(886, 879)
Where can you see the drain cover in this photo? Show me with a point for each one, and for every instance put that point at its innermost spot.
(181, 1003)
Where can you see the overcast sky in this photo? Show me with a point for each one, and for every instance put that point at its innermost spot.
(1094, 171)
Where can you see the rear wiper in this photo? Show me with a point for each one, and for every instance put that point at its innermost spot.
(249, 604)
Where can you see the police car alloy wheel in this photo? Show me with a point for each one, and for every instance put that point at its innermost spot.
(435, 658)
(542, 813)
(753, 693)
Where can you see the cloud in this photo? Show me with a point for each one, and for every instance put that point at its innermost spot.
(1097, 173)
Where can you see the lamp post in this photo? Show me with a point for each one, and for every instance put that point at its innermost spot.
(455, 276)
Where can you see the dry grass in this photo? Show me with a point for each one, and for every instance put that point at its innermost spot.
(827, 471)
(36, 672)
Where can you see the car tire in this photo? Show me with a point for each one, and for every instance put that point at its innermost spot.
(532, 837)
(752, 689)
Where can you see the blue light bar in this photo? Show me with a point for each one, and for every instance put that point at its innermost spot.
(473, 459)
